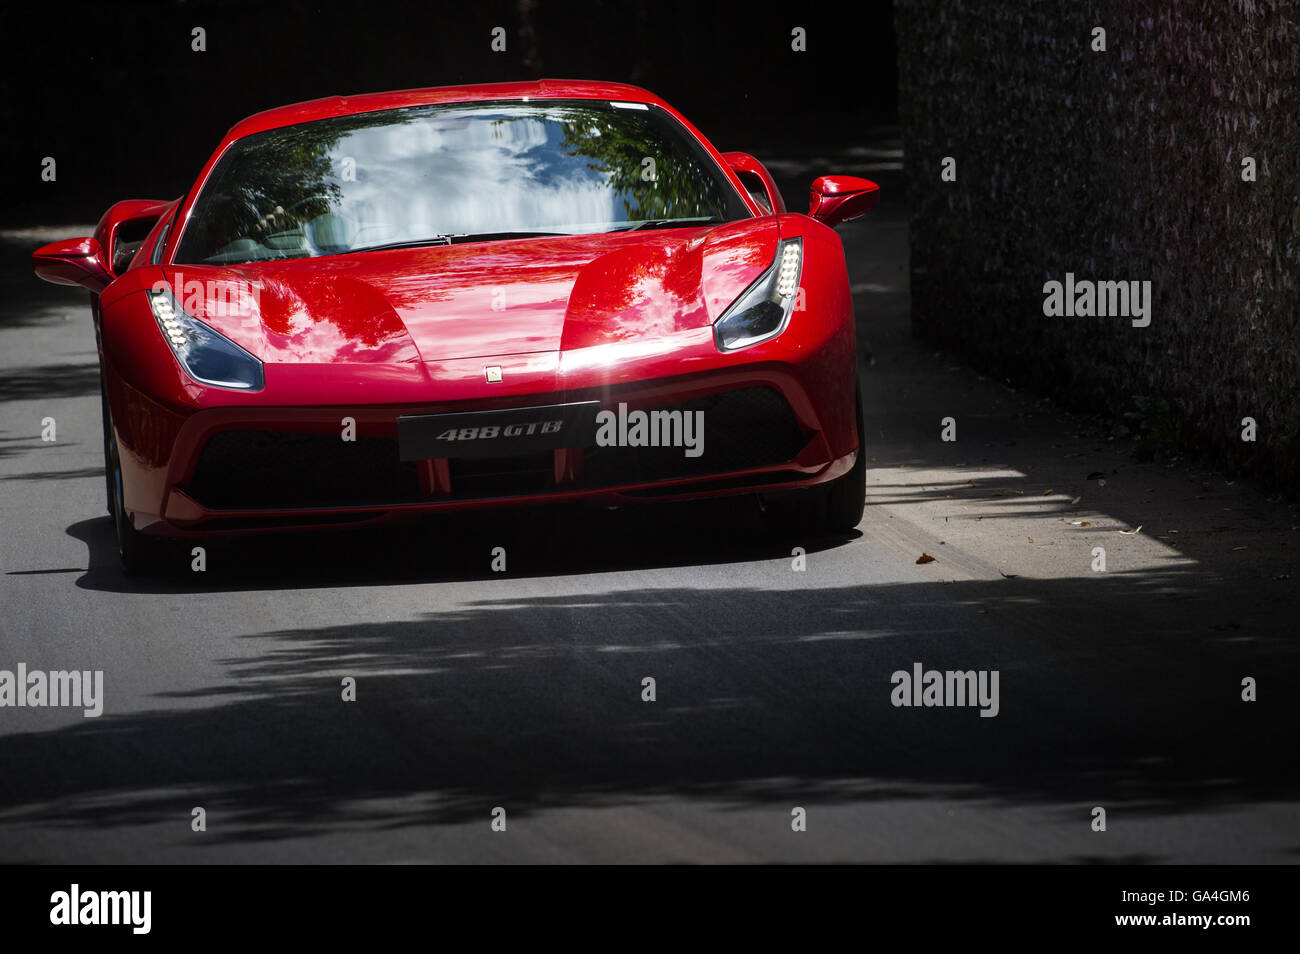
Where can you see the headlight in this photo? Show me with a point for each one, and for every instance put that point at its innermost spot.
(763, 311)
(207, 357)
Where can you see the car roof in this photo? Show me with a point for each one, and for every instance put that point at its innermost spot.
(369, 102)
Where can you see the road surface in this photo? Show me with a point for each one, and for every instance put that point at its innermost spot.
(476, 690)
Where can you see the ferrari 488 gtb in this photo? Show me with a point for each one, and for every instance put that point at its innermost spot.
(377, 307)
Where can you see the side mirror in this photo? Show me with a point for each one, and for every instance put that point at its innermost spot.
(123, 229)
(77, 261)
(758, 182)
(836, 199)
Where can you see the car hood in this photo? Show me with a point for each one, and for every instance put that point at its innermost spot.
(481, 299)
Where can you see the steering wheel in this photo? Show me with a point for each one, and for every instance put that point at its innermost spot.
(315, 196)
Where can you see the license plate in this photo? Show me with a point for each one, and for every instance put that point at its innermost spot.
(507, 433)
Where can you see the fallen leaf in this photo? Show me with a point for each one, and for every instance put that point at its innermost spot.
(1081, 523)
(925, 558)
(1009, 576)
(1031, 539)
(1130, 533)
(1048, 493)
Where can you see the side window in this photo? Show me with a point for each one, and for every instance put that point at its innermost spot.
(130, 236)
(756, 189)
(156, 255)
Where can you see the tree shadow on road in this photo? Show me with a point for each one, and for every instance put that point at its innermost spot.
(766, 695)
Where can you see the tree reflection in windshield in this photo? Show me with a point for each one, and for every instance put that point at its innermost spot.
(421, 174)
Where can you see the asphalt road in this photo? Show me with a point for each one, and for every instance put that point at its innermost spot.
(522, 690)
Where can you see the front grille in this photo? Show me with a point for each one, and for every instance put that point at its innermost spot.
(256, 469)
(502, 476)
(262, 469)
(743, 429)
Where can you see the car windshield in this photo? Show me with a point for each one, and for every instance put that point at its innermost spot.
(453, 173)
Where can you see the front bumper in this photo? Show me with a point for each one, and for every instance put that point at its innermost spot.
(248, 469)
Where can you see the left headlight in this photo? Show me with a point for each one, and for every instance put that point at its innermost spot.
(763, 311)
(206, 355)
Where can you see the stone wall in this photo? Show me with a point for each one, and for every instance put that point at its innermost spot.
(1122, 164)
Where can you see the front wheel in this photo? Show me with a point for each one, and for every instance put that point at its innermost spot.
(835, 507)
(108, 434)
(139, 554)
(846, 498)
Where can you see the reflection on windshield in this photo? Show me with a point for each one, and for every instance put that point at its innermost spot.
(440, 174)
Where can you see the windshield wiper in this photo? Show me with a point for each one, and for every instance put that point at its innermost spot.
(411, 243)
(495, 236)
(455, 238)
(669, 223)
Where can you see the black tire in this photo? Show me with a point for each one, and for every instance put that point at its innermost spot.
(846, 498)
(140, 555)
(834, 507)
(108, 431)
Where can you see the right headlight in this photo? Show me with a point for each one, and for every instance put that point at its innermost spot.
(763, 311)
(206, 355)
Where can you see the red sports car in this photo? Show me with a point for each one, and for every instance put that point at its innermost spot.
(376, 307)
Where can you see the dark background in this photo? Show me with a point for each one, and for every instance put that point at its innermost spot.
(116, 95)
(1115, 165)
